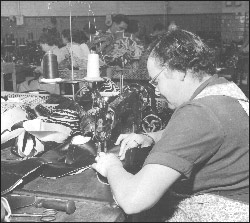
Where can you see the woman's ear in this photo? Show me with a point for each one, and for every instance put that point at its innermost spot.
(178, 75)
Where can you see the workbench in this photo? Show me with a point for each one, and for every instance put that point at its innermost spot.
(93, 199)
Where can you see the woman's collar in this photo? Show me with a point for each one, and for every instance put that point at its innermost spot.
(204, 85)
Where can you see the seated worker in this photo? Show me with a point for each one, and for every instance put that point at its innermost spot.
(119, 23)
(104, 40)
(48, 42)
(158, 29)
(138, 31)
(202, 154)
(80, 50)
(103, 43)
(120, 27)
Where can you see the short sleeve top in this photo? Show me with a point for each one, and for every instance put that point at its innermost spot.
(207, 141)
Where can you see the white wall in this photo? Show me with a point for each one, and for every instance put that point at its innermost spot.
(194, 7)
(142, 7)
(244, 7)
(61, 8)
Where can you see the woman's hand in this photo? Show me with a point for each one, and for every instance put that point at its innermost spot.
(37, 73)
(105, 161)
(129, 141)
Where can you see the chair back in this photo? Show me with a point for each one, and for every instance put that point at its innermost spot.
(8, 68)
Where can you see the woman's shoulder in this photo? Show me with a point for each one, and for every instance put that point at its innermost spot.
(84, 47)
(60, 53)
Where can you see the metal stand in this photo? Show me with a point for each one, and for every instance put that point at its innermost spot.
(72, 82)
(121, 82)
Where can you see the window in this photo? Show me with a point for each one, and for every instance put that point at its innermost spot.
(228, 3)
(233, 3)
(237, 3)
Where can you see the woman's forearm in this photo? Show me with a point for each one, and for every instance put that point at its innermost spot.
(140, 192)
(121, 185)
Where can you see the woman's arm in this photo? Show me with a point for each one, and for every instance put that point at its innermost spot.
(133, 140)
(139, 192)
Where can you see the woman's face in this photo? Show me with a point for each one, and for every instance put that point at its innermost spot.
(118, 27)
(168, 87)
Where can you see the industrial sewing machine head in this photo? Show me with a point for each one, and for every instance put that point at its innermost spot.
(103, 121)
(106, 120)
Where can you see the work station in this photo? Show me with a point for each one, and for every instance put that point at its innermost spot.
(125, 111)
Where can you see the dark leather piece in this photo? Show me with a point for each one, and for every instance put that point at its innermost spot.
(133, 162)
(76, 151)
(70, 161)
(60, 169)
(66, 159)
(55, 151)
(13, 172)
(63, 160)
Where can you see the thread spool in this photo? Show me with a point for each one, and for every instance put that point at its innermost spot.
(93, 72)
(50, 66)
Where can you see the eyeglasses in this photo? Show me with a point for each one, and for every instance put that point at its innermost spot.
(153, 81)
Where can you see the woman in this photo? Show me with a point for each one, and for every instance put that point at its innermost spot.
(48, 43)
(202, 154)
(80, 50)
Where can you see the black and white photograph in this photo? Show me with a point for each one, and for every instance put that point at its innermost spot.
(125, 111)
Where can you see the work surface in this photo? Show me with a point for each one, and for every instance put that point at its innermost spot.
(93, 199)
(86, 211)
(77, 187)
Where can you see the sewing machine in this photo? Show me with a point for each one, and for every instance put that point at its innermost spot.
(106, 121)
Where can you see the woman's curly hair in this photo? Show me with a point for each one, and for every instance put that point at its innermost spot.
(48, 38)
(182, 50)
(77, 36)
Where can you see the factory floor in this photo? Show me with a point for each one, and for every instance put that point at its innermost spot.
(244, 85)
